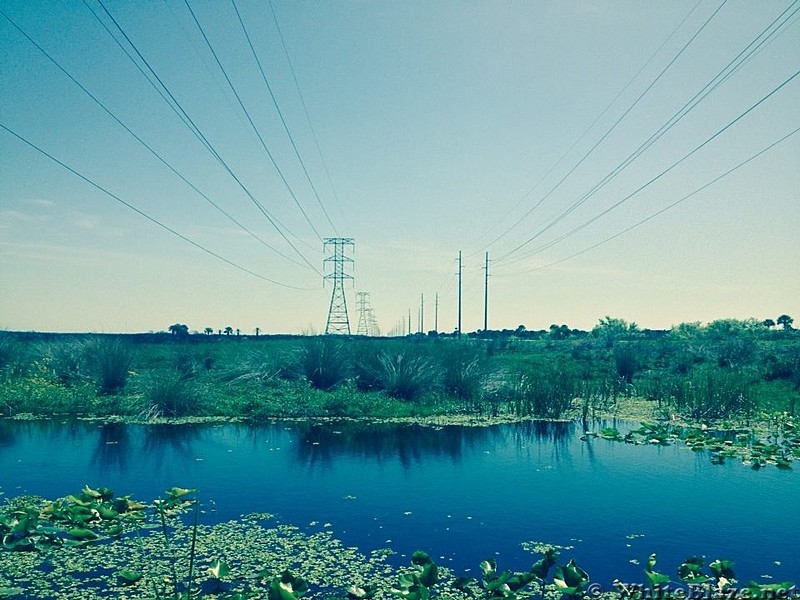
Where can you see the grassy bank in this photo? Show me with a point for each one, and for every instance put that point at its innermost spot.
(734, 371)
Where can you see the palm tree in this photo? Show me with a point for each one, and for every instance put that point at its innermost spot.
(209, 330)
(768, 323)
(228, 330)
(785, 321)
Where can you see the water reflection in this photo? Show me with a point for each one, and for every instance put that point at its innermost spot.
(179, 439)
(320, 444)
(8, 432)
(113, 447)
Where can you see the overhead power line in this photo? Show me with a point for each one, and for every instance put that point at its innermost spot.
(665, 209)
(144, 143)
(280, 114)
(610, 130)
(305, 109)
(722, 76)
(147, 216)
(583, 134)
(250, 120)
(279, 227)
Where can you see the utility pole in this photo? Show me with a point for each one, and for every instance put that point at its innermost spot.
(459, 293)
(338, 319)
(436, 314)
(422, 313)
(486, 294)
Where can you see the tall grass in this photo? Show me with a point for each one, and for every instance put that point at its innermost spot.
(711, 394)
(465, 377)
(324, 363)
(544, 392)
(407, 375)
(112, 360)
(170, 395)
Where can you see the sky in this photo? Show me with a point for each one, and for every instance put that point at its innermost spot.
(631, 159)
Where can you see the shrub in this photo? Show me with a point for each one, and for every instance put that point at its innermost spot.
(169, 395)
(112, 362)
(407, 376)
(626, 361)
(465, 377)
(324, 363)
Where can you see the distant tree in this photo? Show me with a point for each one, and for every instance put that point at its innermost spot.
(769, 323)
(228, 330)
(237, 332)
(208, 330)
(179, 329)
(609, 329)
(785, 321)
(219, 331)
(258, 330)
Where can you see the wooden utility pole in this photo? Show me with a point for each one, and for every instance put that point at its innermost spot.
(486, 294)
(436, 314)
(459, 293)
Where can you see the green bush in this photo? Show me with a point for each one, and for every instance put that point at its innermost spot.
(324, 363)
(407, 375)
(111, 360)
(465, 377)
(170, 395)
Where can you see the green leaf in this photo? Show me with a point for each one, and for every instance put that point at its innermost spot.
(654, 577)
(80, 533)
(10, 591)
(570, 578)
(219, 569)
(722, 568)
(690, 571)
(129, 577)
(362, 593)
(542, 566)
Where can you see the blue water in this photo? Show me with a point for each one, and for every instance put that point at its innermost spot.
(462, 494)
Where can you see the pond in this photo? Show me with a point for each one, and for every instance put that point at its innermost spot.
(461, 493)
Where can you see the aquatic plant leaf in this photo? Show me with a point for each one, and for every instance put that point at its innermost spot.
(128, 576)
(722, 568)
(10, 591)
(542, 566)
(362, 593)
(488, 566)
(690, 571)
(219, 569)
(653, 576)
(80, 533)
(428, 571)
(176, 492)
(570, 578)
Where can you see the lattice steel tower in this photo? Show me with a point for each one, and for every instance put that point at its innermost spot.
(337, 263)
(362, 304)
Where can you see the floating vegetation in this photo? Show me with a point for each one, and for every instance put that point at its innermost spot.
(97, 545)
(777, 445)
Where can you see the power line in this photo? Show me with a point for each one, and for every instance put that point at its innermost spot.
(666, 208)
(723, 75)
(279, 227)
(280, 114)
(585, 132)
(143, 143)
(662, 173)
(146, 216)
(305, 109)
(252, 123)
(610, 130)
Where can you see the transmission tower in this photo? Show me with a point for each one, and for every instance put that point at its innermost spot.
(362, 304)
(338, 320)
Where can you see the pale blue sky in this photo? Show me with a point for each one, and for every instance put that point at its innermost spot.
(435, 120)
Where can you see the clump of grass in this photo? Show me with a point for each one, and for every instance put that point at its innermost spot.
(170, 395)
(407, 376)
(465, 377)
(714, 393)
(544, 392)
(67, 361)
(626, 361)
(324, 363)
(112, 360)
